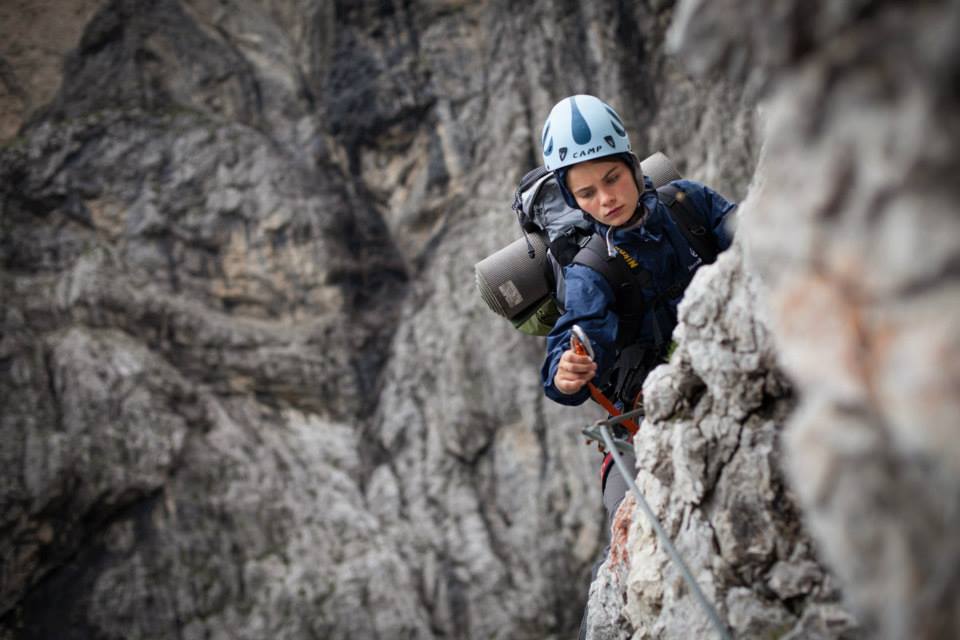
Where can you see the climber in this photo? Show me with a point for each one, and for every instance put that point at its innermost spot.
(587, 147)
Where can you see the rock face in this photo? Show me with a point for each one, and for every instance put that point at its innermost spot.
(851, 239)
(709, 458)
(865, 306)
(247, 388)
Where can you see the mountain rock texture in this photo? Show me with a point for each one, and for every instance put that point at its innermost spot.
(248, 390)
(710, 458)
(848, 270)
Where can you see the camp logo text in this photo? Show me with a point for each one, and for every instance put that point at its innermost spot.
(586, 152)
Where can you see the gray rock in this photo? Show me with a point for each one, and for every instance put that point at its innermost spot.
(708, 461)
(847, 225)
(247, 388)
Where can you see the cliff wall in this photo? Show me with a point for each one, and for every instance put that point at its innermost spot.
(247, 388)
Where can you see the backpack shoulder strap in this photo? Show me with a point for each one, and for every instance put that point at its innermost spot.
(625, 281)
(594, 255)
(691, 222)
(617, 272)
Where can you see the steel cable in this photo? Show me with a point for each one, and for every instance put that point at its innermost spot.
(664, 539)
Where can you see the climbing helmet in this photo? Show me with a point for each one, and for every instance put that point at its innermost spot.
(581, 128)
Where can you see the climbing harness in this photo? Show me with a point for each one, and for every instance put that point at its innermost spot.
(615, 448)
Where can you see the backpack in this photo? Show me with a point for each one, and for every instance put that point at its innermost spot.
(524, 281)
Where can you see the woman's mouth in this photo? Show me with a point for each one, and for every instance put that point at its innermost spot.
(614, 212)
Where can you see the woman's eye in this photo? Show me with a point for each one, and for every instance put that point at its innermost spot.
(613, 178)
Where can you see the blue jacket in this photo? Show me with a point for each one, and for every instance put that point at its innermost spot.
(659, 246)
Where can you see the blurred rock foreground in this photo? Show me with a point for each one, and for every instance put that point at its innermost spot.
(247, 389)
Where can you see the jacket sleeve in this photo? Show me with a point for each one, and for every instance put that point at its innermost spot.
(716, 208)
(588, 302)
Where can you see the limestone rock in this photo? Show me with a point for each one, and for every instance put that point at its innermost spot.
(247, 385)
(247, 388)
(850, 232)
(708, 463)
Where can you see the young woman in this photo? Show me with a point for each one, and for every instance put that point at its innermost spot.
(587, 148)
(586, 145)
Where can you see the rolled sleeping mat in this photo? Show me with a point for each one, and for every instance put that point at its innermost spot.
(510, 281)
(659, 169)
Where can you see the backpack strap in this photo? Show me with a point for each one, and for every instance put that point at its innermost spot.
(625, 280)
(691, 222)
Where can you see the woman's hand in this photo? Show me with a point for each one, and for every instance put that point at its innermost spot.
(573, 372)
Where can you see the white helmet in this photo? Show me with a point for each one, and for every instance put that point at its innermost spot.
(581, 128)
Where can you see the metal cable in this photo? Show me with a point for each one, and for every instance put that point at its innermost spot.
(664, 539)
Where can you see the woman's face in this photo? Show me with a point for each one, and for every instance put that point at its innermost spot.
(605, 189)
